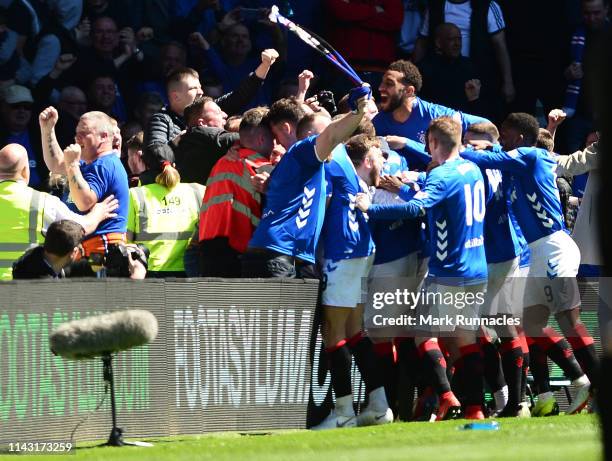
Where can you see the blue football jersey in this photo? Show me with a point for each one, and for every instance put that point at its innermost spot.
(295, 204)
(501, 240)
(532, 187)
(454, 198)
(345, 231)
(415, 127)
(394, 238)
(415, 155)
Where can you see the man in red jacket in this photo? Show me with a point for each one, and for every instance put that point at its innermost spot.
(231, 208)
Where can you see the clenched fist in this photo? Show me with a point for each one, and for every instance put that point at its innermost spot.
(48, 118)
(556, 117)
(72, 154)
(269, 56)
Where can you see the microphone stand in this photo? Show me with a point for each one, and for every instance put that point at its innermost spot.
(115, 438)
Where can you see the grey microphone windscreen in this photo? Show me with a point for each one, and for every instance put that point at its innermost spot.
(100, 334)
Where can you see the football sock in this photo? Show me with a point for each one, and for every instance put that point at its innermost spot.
(472, 362)
(363, 350)
(512, 363)
(340, 369)
(434, 362)
(584, 350)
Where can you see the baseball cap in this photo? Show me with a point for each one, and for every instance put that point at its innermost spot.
(15, 94)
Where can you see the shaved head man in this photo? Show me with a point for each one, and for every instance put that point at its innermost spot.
(14, 163)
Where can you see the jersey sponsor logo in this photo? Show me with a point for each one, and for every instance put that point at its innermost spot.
(475, 242)
(304, 211)
(441, 241)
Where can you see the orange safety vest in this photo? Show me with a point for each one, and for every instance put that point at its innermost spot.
(232, 207)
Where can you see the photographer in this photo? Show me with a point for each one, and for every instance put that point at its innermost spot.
(60, 257)
(61, 248)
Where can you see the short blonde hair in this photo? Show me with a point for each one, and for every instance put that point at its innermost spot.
(447, 131)
(102, 122)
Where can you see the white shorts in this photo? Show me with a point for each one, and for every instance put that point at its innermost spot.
(501, 297)
(402, 267)
(345, 281)
(447, 308)
(551, 279)
(387, 277)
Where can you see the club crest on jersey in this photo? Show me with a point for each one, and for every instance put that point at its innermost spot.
(304, 211)
(421, 137)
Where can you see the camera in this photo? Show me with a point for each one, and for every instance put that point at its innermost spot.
(326, 100)
(116, 261)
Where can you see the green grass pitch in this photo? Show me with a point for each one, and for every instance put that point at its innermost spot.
(551, 439)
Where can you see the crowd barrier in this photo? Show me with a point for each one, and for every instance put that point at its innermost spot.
(231, 355)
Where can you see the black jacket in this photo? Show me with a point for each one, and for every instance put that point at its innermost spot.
(32, 265)
(200, 148)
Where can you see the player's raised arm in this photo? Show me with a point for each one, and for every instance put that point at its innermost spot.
(340, 130)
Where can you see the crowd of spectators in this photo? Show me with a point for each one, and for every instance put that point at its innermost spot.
(144, 63)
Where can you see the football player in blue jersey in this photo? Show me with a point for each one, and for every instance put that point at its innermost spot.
(503, 248)
(292, 219)
(398, 243)
(454, 198)
(402, 112)
(551, 285)
(348, 254)
(283, 118)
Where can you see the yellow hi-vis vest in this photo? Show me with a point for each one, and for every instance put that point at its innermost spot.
(21, 223)
(164, 221)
